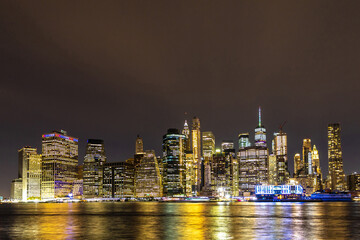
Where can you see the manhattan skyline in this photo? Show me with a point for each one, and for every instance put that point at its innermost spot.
(128, 69)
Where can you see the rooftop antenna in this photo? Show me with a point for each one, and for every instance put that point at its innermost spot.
(259, 116)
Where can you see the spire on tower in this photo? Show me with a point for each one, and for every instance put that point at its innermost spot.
(259, 116)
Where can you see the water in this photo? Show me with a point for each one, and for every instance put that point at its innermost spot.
(153, 220)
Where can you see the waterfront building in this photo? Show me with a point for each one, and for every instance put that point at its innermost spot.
(224, 174)
(30, 173)
(16, 189)
(196, 149)
(316, 169)
(148, 182)
(94, 161)
(208, 150)
(139, 145)
(280, 150)
(174, 174)
(118, 180)
(275, 192)
(353, 182)
(253, 168)
(260, 133)
(244, 140)
(228, 144)
(59, 161)
(336, 171)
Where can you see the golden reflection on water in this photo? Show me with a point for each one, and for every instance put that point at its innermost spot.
(153, 220)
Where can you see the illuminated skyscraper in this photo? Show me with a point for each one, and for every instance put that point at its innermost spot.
(196, 149)
(307, 158)
(272, 169)
(30, 173)
(118, 180)
(16, 189)
(297, 164)
(186, 133)
(253, 168)
(208, 143)
(147, 176)
(93, 168)
(228, 144)
(59, 161)
(139, 146)
(315, 161)
(260, 133)
(174, 175)
(280, 147)
(336, 171)
(244, 140)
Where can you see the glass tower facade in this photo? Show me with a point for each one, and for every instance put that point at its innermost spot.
(174, 175)
(244, 140)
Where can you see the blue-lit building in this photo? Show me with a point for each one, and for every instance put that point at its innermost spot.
(270, 192)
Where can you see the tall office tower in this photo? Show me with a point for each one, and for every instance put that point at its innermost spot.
(147, 177)
(253, 168)
(30, 173)
(59, 161)
(94, 161)
(316, 170)
(260, 133)
(196, 149)
(174, 175)
(280, 145)
(297, 164)
(208, 143)
(244, 140)
(78, 186)
(315, 161)
(336, 171)
(306, 150)
(139, 146)
(228, 144)
(186, 133)
(272, 169)
(118, 181)
(189, 174)
(224, 174)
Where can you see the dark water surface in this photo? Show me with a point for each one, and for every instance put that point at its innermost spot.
(152, 220)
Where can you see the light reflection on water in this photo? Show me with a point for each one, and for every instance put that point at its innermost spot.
(152, 220)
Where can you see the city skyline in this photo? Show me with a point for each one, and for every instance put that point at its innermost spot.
(128, 68)
(278, 147)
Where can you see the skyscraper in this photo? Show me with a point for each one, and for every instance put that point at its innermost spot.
(196, 149)
(244, 140)
(336, 171)
(280, 145)
(118, 180)
(208, 143)
(139, 146)
(59, 161)
(297, 164)
(260, 133)
(307, 158)
(94, 161)
(174, 175)
(186, 133)
(148, 181)
(30, 173)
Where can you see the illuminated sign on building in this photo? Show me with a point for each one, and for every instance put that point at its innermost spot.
(278, 189)
(60, 136)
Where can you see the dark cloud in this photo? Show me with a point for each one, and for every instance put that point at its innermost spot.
(113, 70)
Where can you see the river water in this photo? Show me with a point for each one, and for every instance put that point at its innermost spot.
(156, 220)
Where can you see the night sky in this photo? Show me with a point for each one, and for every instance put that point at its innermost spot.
(117, 69)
